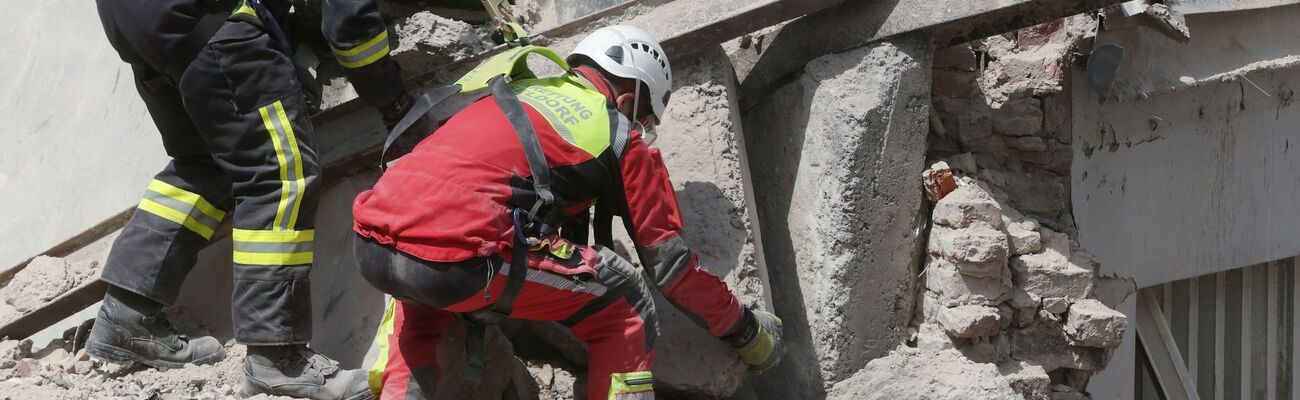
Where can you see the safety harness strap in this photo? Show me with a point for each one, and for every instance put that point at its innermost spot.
(509, 103)
(423, 104)
(499, 311)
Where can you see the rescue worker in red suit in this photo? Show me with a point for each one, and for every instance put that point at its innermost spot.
(437, 230)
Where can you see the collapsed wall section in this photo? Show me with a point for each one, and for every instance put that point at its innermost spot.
(836, 154)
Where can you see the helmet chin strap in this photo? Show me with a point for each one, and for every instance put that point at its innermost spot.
(647, 132)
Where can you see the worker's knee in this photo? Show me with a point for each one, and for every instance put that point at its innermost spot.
(626, 282)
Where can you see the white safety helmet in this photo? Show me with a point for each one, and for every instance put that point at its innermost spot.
(631, 53)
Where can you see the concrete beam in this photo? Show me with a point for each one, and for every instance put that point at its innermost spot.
(839, 199)
(855, 23)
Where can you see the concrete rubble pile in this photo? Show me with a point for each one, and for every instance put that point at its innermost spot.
(1017, 301)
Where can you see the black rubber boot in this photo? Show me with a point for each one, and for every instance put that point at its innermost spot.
(296, 371)
(131, 328)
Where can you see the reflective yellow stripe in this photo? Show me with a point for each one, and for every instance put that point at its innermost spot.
(578, 115)
(245, 9)
(368, 60)
(300, 180)
(364, 54)
(178, 217)
(284, 173)
(256, 236)
(631, 385)
(272, 259)
(376, 371)
(187, 197)
(272, 248)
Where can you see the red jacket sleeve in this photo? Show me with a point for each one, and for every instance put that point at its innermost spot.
(650, 208)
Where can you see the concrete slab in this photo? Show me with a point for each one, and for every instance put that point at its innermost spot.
(839, 196)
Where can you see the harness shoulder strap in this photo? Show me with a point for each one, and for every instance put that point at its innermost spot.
(512, 64)
(423, 105)
(514, 111)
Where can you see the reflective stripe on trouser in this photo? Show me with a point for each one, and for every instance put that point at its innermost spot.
(358, 37)
(178, 213)
(635, 385)
(241, 141)
(613, 313)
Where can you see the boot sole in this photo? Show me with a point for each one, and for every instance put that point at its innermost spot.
(118, 355)
(250, 391)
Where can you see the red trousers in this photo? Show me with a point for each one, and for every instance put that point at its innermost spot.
(603, 298)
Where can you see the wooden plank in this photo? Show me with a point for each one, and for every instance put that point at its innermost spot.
(855, 23)
(86, 237)
(1168, 305)
(1158, 342)
(56, 310)
(1295, 333)
(1270, 367)
(1246, 308)
(1220, 303)
(1193, 326)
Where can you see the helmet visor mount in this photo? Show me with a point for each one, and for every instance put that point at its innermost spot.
(645, 125)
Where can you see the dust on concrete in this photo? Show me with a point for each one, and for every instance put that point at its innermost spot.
(44, 279)
(57, 374)
(427, 40)
(909, 373)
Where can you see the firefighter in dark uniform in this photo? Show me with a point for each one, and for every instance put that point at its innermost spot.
(219, 82)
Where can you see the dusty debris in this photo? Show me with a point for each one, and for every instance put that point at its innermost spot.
(59, 375)
(1092, 324)
(968, 321)
(1021, 300)
(1170, 20)
(909, 373)
(44, 279)
(966, 205)
(427, 40)
(938, 181)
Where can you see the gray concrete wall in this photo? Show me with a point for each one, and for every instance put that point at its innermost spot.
(1198, 179)
(1187, 168)
(79, 146)
(837, 155)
